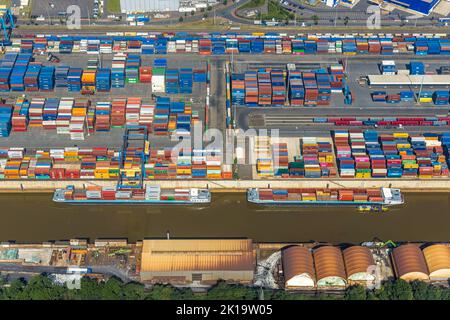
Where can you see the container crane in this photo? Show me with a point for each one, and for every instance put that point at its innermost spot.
(348, 98)
(135, 144)
(7, 23)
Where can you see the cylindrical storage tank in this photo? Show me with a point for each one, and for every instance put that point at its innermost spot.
(437, 257)
(359, 264)
(298, 267)
(330, 268)
(409, 263)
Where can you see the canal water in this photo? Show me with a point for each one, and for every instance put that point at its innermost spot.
(35, 218)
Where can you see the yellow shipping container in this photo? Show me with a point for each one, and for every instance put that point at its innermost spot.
(403, 145)
(400, 135)
(411, 166)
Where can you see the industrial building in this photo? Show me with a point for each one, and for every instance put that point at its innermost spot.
(358, 263)
(197, 260)
(437, 257)
(143, 6)
(409, 263)
(421, 7)
(330, 268)
(298, 267)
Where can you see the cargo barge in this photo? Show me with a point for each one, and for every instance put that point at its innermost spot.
(151, 195)
(361, 198)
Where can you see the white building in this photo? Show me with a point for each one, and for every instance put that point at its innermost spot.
(142, 6)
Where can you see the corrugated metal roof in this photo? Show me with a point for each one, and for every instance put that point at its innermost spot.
(357, 259)
(130, 6)
(296, 261)
(196, 255)
(409, 262)
(437, 257)
(329, 263)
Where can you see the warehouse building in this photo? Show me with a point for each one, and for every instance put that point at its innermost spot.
(437, 257)
(206, 261)
(358, 264)
(330, 268)
(422, 7)
(298, 267)
(409, 263)
(143, 6)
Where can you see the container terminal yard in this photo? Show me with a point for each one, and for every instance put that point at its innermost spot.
(327, 118)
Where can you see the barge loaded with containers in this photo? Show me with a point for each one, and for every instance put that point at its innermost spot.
(150, 195)
(362, 198)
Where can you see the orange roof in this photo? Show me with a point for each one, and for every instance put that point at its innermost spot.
(197, 255)
(297, 260)
(409, 262)
(437, 257)
(329, 262)
(357, 259)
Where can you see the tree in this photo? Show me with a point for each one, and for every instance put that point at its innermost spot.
(192, 12)
(419, 289)
(209, 8)
(346, 19)
(161, 292)
(231, 292)
(205, 15)
(112, 290)
(42, 288)
(180, 19)
(133, 291)
(225, 2)
(357, 292)
(315, 19)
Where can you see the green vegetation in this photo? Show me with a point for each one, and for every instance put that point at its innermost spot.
(42, 288)
(252, 4)
(113, 6)
(277, 12)
(5, 3)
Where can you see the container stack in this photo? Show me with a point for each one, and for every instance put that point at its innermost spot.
(388, 67)
(186, 80)
(132, 65)
(278, 85)
(19, 121)
(416, 68)
(50, 113)
(5, 119)
(264, 88)
(61, 73)
(88, 81)
(132, 111)
(145, 74)
(159, 80)
(146, 115)
(251, 88)
(199, 76)
(118, 108)
(280, 159)
(172, 81)
(296, 88)
(103, 80)
(18, 72)
(263, 154)
(47, 78)
(238, 89)
(32, 77)
(74, 79)
(103, 116)
(441, 97)
(118, 71)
